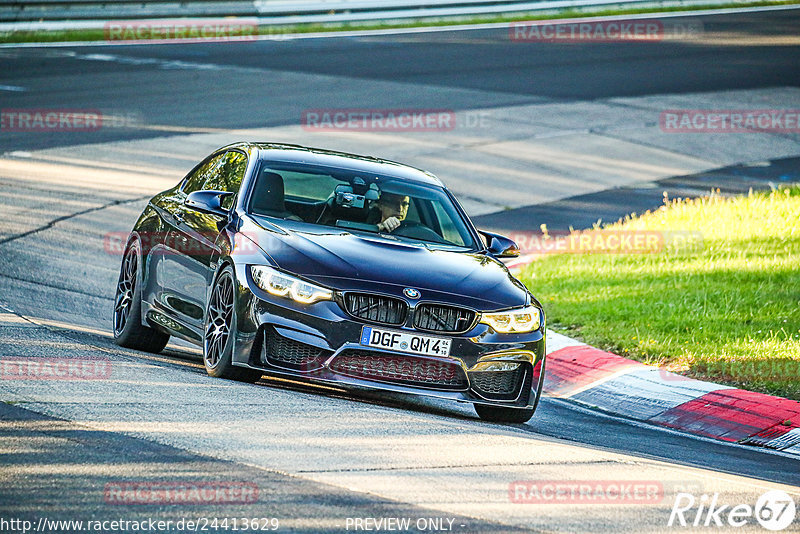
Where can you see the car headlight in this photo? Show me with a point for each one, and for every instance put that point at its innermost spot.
(525, 319)
(283, 285)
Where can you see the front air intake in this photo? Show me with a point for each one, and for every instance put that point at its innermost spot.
(282, 351)
(497, 385)
(400, 369)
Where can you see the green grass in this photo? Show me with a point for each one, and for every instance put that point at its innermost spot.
(277, 30)
(727, 310)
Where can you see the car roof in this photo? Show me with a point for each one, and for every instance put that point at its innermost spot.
(342, 160)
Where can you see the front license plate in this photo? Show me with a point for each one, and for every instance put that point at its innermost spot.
(404, 342)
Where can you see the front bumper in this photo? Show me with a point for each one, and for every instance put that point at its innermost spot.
(320, 343)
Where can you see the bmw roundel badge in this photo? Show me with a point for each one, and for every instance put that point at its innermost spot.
(411, 293)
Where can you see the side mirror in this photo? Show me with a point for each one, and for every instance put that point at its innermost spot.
(500, 246)
(208, 202)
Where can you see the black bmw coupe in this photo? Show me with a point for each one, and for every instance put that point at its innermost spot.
(335, 268)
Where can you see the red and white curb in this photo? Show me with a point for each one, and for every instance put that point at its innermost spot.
(620, 386)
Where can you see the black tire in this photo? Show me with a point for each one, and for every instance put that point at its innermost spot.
(219, 326)
(501, 414)
(128, 329)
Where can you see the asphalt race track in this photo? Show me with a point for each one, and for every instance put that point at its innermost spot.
(319, 457)
(454, 70)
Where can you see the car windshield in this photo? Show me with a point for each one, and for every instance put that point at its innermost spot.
(361, 202)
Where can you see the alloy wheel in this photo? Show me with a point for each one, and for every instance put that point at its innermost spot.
(125, 290)
(218, 320)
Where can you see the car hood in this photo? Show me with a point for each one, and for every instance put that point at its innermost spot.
(348, 261)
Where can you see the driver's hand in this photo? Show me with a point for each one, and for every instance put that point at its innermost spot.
(389, 224)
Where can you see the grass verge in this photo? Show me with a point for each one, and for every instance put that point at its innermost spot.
(89, 35)
(725, 310)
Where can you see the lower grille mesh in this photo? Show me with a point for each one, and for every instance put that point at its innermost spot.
(398, 368)
(497, 384)
(282, 351)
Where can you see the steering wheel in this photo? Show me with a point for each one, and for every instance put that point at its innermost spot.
(416, 230)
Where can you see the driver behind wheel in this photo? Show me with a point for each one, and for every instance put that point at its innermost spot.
(393, 209)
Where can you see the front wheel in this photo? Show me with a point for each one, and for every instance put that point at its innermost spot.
(502, 414)
(129, 331)
(220, 327)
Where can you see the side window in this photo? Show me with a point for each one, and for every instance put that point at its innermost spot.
(228, 177)
(305, 186)
(197, 179)
(413, 211)
(449, 230)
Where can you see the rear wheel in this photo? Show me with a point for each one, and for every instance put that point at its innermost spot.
(129, 331)
(219, 329)
(502, 414)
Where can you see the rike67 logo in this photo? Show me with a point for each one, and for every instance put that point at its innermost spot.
(775, 510)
